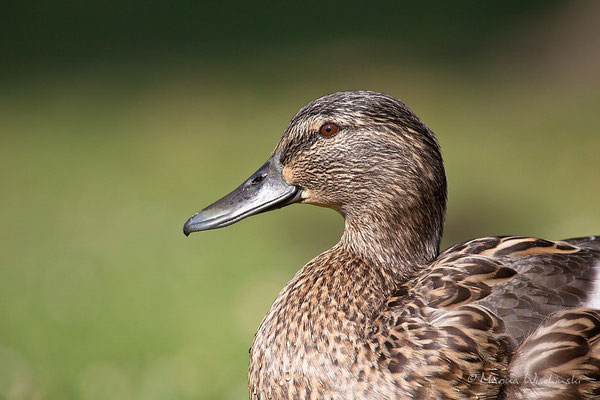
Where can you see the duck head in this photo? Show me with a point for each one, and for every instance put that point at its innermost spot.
(364, 154)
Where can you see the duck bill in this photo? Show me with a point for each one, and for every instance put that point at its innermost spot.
(265, 190)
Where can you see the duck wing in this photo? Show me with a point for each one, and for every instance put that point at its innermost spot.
(559, 360)
(487, 312)
(436, 341)
(551, 276)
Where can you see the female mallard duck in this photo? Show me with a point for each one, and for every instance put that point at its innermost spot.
(384, 315)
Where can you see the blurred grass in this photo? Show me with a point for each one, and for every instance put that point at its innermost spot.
(101, 296)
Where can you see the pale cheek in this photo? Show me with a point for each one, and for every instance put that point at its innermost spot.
(311, 197)
(288, 175)
(307, 196)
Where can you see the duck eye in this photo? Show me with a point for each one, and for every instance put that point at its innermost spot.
(329, 129)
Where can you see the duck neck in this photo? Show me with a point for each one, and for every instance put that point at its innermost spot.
(400, 242)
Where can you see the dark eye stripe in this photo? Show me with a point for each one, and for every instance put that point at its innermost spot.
(292, 147)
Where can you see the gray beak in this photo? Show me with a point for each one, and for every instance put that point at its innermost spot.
(265, 190)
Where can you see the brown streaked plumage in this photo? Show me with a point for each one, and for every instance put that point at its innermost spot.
(384, 315)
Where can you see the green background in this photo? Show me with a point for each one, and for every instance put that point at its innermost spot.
(119, 120)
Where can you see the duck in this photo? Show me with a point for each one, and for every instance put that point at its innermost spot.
(383, 314)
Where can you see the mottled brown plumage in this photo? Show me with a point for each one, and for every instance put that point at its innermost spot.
(383, 315)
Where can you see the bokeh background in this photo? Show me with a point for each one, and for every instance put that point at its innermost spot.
(120, 119)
